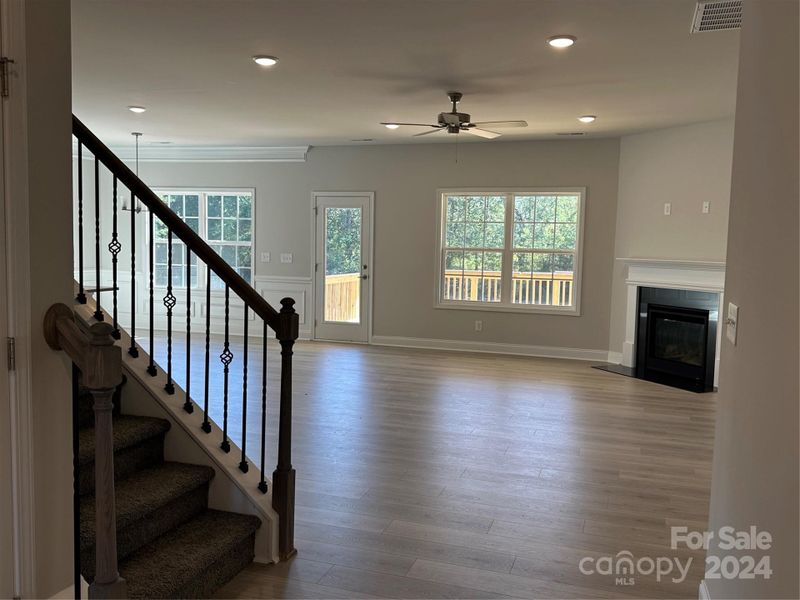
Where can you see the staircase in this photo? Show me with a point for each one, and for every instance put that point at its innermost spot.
(144, 528)
(169, 543)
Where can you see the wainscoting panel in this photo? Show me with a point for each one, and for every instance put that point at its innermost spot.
(273, 289)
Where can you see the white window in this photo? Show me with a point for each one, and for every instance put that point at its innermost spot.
(224, 219)
(516, 250)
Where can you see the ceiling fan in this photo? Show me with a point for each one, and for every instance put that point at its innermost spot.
(456, 122)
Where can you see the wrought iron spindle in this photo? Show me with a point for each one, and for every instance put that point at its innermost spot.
(133, 350)
(114, 247)
(187, 405)
(262, 485)
(206, 426)
(151, 368)
(98, 313)
(226, 357)
(243, 466)
(81, 297)
(169, 302)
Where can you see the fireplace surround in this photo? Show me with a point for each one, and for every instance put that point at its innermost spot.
(676, 337)
(666, 274)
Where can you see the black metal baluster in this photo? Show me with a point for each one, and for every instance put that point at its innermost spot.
(114, 247)
(81, 297)
(206, 426)
(226, 357)
(187, 405)
(151, 368)
(169, 302)
(262, 485)
(98, 314)
(133, 350)
(243, 466)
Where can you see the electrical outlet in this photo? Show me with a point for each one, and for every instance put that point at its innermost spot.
(478, 325)
(265, 257)
(667, 208)
(732, 322)
(286, 257)
(706, 207)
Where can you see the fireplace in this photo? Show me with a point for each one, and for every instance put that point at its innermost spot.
(676, 337)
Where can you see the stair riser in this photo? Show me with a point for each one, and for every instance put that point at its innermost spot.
(221, 572)
(126, 462)
(143, 531)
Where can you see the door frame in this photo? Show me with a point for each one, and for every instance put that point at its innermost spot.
(18, 318)
(370, 224)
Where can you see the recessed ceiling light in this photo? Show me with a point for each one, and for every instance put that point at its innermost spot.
(562, 41)
(587, 118)
(137, 109)
(265, 61)
(392, 126)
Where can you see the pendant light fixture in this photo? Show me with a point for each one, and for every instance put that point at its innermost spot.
(138, 209)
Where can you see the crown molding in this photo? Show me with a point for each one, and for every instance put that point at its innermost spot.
(211, 153)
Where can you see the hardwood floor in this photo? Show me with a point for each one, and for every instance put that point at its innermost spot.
(426, 474)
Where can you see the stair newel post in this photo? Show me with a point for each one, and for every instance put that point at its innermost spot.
(283, 479)
(102, 372)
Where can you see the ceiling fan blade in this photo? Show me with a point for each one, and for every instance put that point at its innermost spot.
(438, 129)
(502, 123)
(411, 124)
(484, 133)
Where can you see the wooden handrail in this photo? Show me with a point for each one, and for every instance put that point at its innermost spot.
(100, 363)
(180, 229)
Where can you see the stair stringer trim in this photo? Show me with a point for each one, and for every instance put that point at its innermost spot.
(230, 489)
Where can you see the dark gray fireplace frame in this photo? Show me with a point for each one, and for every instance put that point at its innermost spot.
(691, 304)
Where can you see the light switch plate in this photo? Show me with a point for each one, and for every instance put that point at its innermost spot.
(265, 257)
(286, 257)
(706, 207)
(732, 322)
(667, 208)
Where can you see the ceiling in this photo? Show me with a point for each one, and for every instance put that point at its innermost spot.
(346, 65)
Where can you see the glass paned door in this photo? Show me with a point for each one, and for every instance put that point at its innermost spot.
(342, 267)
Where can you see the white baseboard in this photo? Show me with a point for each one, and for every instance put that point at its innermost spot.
(492, 348)
(702, 591)
(615, 357)
(69, 591)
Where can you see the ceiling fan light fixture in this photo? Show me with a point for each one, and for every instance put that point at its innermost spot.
(392, 126)
(587, 118)
(562, 41)
(265, 61)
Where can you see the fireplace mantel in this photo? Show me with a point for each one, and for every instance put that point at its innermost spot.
(706, 276)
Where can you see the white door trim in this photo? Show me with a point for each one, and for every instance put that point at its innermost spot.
(370, 197)
(15, 205)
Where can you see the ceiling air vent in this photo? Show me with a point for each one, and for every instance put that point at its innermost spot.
(717, 16)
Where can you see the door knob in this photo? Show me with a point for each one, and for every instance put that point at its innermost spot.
(364, 276)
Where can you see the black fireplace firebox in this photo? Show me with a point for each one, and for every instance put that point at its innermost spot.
(676, 337)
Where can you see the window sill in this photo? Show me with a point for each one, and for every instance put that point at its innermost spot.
(572, 311)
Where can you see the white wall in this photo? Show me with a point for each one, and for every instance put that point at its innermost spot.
(755, 471)
(39, 109)
(405, 179)
(684, 166)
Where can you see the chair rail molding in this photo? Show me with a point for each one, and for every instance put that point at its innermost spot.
(697, 275)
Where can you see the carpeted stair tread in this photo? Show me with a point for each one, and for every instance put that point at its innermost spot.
(143, 493)
(128, 431)
(168, 566)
